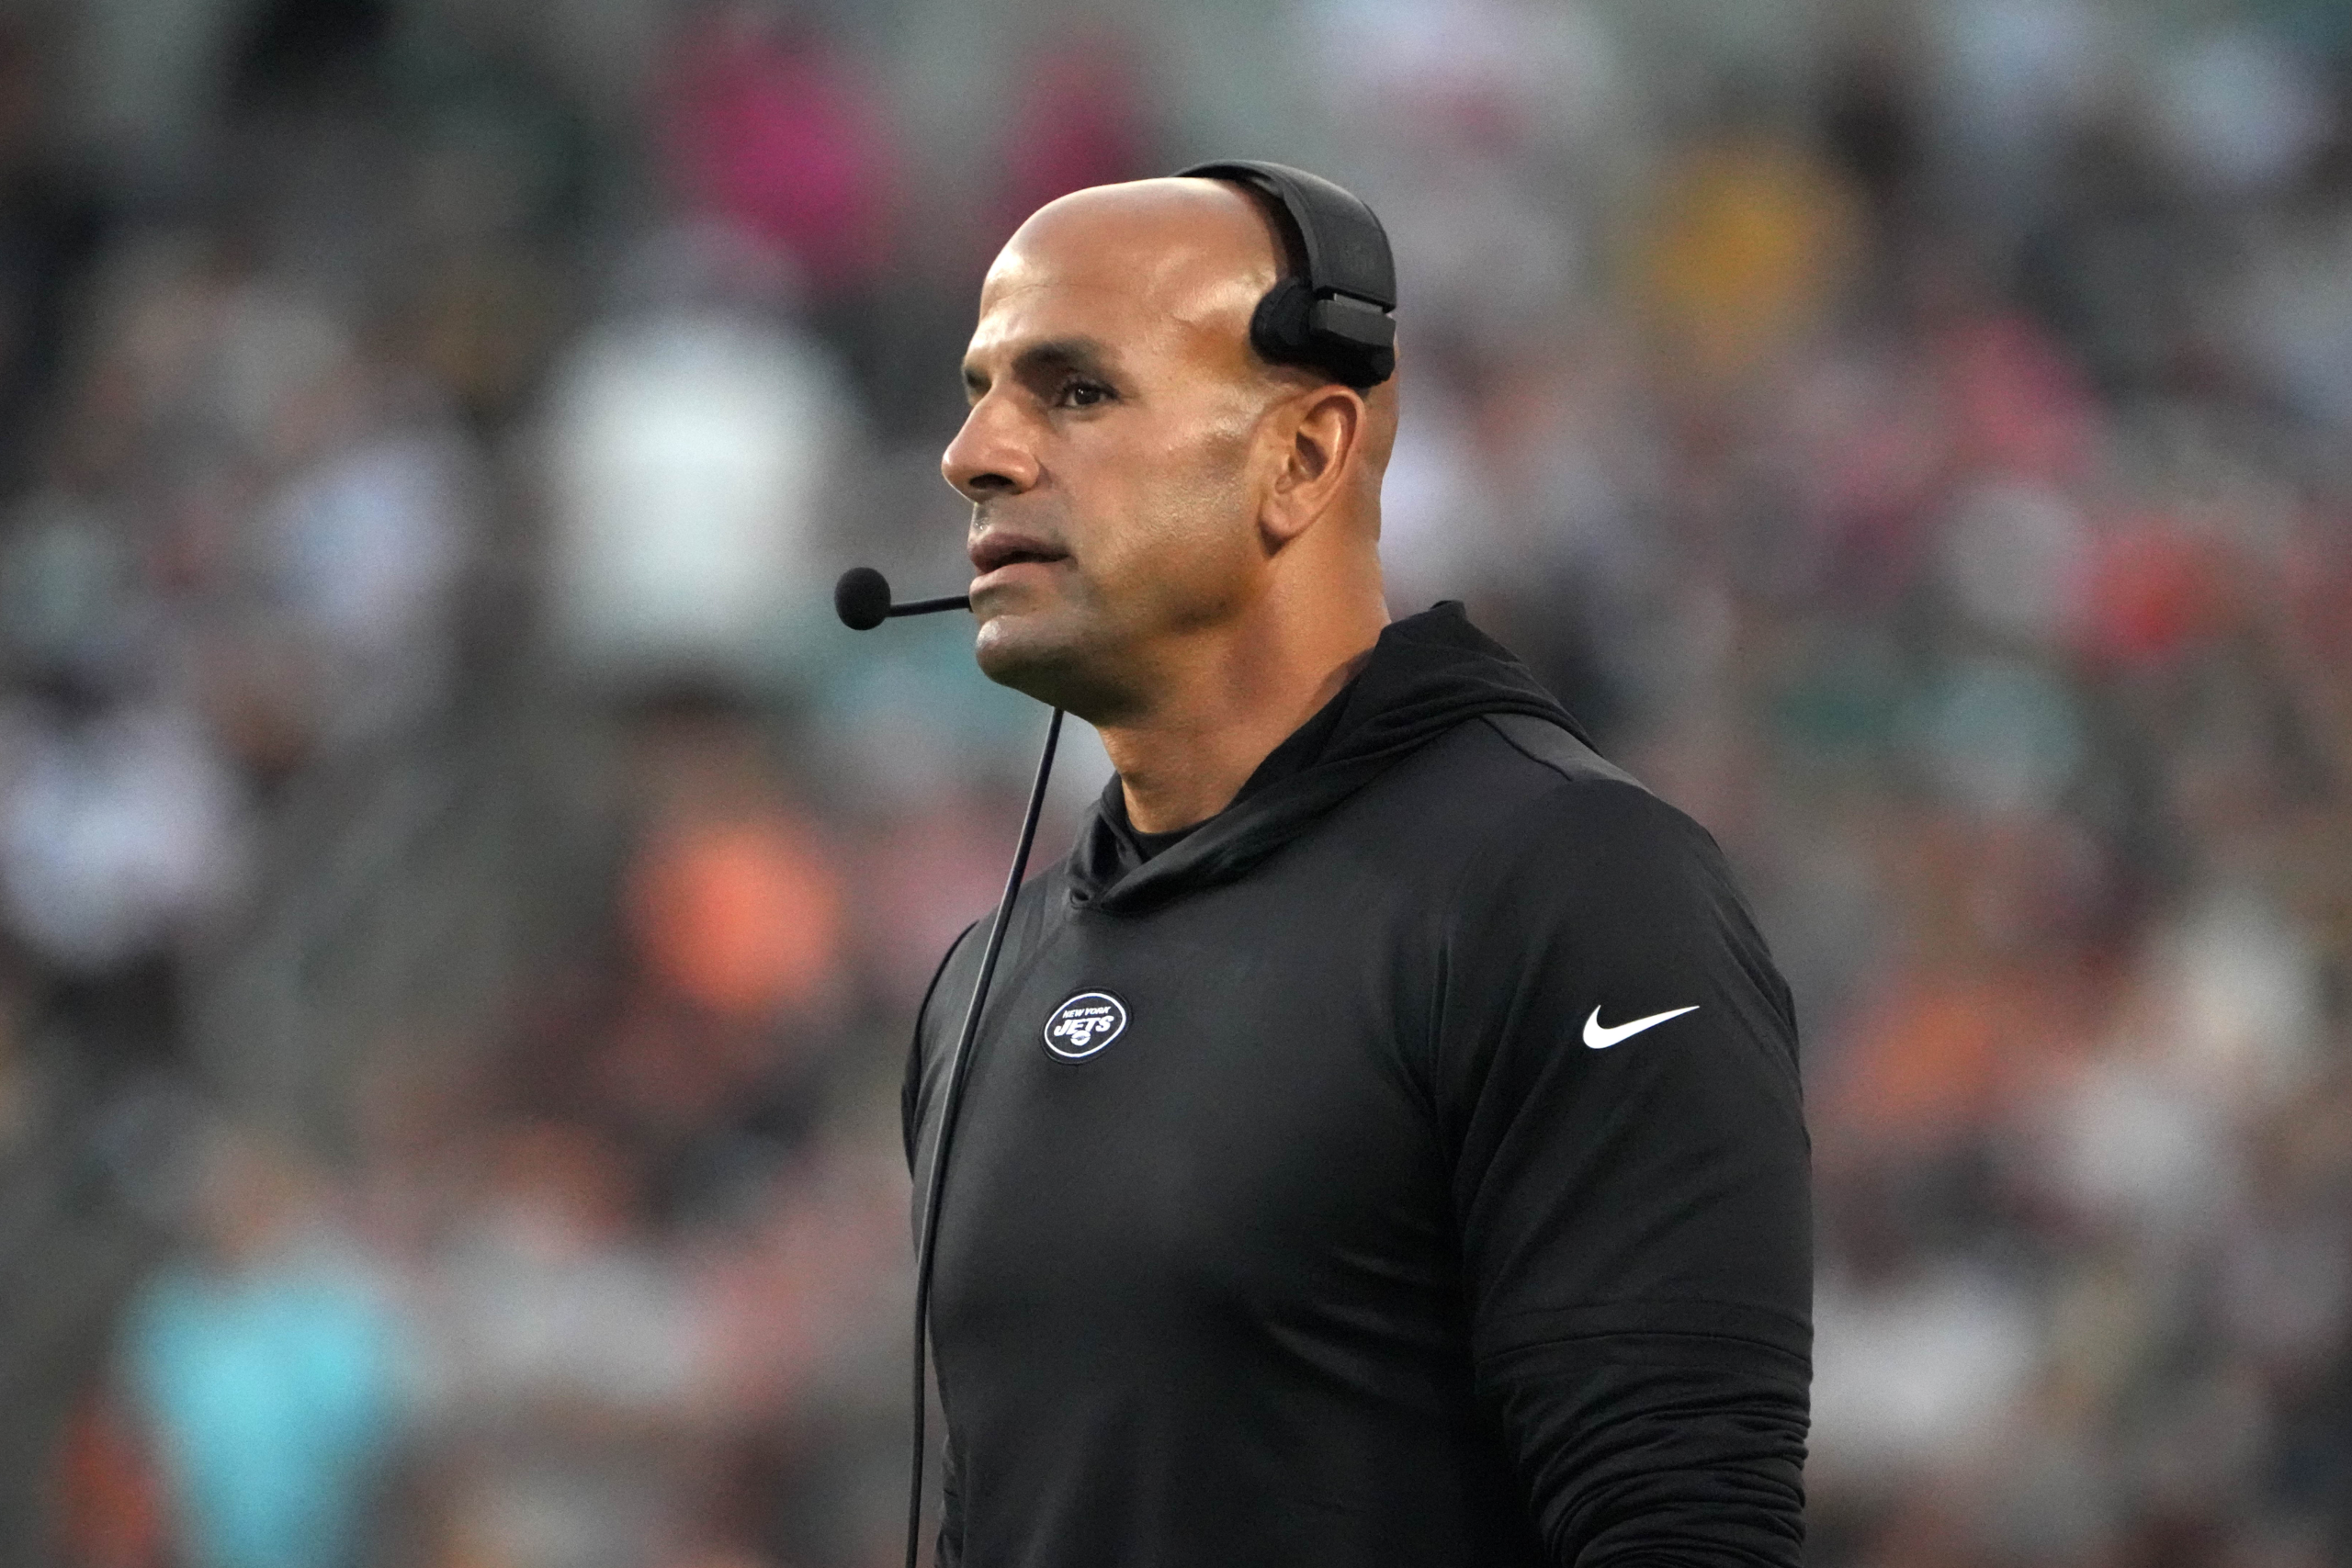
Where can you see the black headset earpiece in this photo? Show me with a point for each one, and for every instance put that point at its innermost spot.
(1333, 312)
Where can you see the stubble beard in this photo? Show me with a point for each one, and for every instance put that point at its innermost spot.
(1049, 653)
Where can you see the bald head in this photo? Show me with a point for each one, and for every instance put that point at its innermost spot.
(1198, 255)
(1139, 475)
(1199, 252)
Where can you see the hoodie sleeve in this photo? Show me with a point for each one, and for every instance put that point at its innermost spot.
(1615, 1076)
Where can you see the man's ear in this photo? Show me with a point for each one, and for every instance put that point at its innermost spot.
(1325, 432)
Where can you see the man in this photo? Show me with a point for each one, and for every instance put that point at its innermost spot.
(1383, 1144)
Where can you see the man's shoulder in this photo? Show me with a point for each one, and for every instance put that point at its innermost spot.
(1557, 750)
(1496, 765)
(1504, 795)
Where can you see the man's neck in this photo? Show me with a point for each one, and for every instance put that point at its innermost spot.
(1223, 710)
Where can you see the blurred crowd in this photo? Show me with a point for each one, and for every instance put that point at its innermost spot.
(463, 899)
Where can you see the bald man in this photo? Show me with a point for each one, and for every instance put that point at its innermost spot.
(1383, 1144)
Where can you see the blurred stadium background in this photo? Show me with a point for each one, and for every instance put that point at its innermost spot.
(462, 898)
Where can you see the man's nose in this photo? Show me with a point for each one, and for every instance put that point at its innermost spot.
(989, 456)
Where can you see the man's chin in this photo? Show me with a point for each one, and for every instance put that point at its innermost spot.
(1038, 657)
(1015, 650)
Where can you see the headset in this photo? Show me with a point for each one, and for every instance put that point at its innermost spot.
(1334, 311)
(1333, 315)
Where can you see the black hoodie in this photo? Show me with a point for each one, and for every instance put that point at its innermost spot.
(1405, 1166)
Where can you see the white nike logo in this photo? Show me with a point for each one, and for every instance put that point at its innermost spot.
(1601, 1037)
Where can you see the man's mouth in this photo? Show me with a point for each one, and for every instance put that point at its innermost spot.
(999, 548)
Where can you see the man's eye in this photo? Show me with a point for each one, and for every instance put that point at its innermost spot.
(1083, 394)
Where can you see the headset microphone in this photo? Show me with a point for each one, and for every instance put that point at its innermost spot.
(1334, 313)
(862, 599)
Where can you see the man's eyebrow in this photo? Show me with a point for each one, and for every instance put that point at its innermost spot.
(1059, 356)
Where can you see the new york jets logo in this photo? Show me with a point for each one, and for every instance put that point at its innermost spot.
(1084, 1024)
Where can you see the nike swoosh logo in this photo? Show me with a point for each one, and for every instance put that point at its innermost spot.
(1600, 1038)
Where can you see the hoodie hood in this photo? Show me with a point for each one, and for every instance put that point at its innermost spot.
(1428, 673)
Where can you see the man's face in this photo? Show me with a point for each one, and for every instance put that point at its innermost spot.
(1112, 453)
